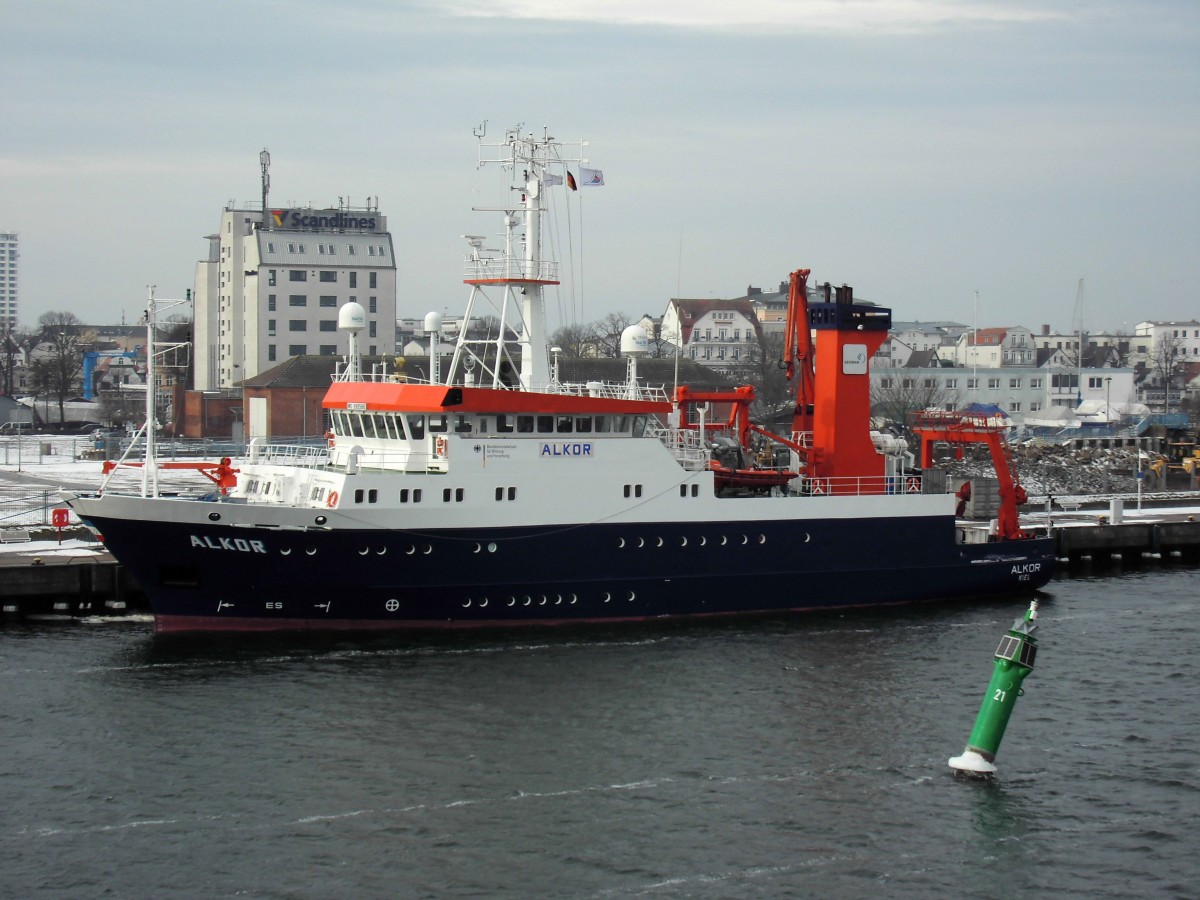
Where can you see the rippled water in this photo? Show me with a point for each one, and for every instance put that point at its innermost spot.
(780, 757)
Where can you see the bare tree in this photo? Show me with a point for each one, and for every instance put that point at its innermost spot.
(14, 346)
(1167, 363)
(899, 393)
(58, 371)
(608, 334)
(761, 367)
(575, 341)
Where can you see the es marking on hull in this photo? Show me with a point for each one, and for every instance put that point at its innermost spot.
(240, 545)
(566, 450)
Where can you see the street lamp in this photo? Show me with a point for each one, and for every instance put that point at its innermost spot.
(1108, 401)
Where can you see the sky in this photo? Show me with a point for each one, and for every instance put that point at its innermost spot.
(969, 161)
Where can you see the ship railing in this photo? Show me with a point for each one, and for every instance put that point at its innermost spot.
(607, 390)
(508, 268)
(851, 486)
(685, 446)
(297, 455)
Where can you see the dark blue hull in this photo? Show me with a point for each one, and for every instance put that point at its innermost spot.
(221, 578)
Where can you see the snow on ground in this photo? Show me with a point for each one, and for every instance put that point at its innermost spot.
(70, 548)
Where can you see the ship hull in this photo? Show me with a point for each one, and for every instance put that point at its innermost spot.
(201, 577)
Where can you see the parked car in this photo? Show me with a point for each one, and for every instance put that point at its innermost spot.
(17, 428)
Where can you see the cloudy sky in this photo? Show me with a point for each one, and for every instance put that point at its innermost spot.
(919, 150)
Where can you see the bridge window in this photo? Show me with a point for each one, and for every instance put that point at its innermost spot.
(565, 425)
(545, 424)
(603, 424)
(583, 424)
(437, 424)
(416, 427)
(524, 424)
(504, 424)
(462, 425)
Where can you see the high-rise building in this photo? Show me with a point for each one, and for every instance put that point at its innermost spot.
(8, 279)
(272, 285)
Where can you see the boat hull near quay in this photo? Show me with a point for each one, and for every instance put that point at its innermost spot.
(200, 576)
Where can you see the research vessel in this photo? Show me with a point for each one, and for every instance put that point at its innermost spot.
(501, 495)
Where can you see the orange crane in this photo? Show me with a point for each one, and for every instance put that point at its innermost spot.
(966, 427)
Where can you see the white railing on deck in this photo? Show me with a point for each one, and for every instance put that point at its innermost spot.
(684, 444)
(607, 390)
(511, 268)
(302, 457)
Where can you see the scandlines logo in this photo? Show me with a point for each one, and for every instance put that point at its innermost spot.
(277, 215)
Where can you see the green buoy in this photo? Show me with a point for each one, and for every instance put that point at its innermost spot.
(1013, 661)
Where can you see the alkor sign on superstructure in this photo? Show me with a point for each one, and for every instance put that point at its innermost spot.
(323, 219)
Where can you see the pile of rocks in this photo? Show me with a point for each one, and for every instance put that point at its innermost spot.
(1057, 469)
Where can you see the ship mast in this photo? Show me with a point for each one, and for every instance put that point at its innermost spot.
(509, 283)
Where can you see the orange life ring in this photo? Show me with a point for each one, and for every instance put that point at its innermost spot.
(331, 502)
(439, 446)
(329, 436)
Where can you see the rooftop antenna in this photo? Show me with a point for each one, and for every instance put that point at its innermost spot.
(264, 161)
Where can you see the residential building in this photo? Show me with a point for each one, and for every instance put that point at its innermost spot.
(719, 334)
(272, 285)
(9, 254)
(995, 347)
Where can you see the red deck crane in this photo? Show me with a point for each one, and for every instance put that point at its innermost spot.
(967, 427)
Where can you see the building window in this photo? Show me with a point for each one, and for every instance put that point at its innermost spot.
(328, 276)
(371, 279)
(291, 247)
(371, 305)
(1094, 382)
(270, 277)
(1014, 382)
(951, 383)
(270, 353)
(371, 329)
(270, 247)
(297, 325)
(972, 384)
(328, 325)
(328, 300)
(297, 275)
(270, 303)
(297, 349)
(328, 350)
(370, 251)
(297, 300)
(1035, 383)
(993, 384)
(1014, 407)
(270, 328)
(350, 250)
(353, 279)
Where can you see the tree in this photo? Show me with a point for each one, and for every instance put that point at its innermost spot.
(1167, 363)
(14, 346)
(608, 333)
(58, 370)
(899, 393)
(760, 367)
(575, 341)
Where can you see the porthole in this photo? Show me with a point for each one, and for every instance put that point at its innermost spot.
(428, 548)
(807, 537)
(528, 600)
(483, 602)
(542, 602)
(682, 541)
(491, 548)
(381, 551)
(631, 596)
(311, 551)
(467, 603)
(703, 540)
(558, 600)
(573, 599)
(285, 551)
(660, 542)
(745, 540)
(512, 601)
(762, 538)
(641, 542)
(621, 542)
(724, 540)
(411, 550)
(215, 517)
(364, 551)
(320, 520)
(607, 596)
(478, 548)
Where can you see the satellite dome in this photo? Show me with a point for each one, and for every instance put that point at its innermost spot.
(352, 317)
(634, 341)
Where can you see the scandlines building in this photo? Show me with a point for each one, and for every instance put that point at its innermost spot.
(272, 286)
